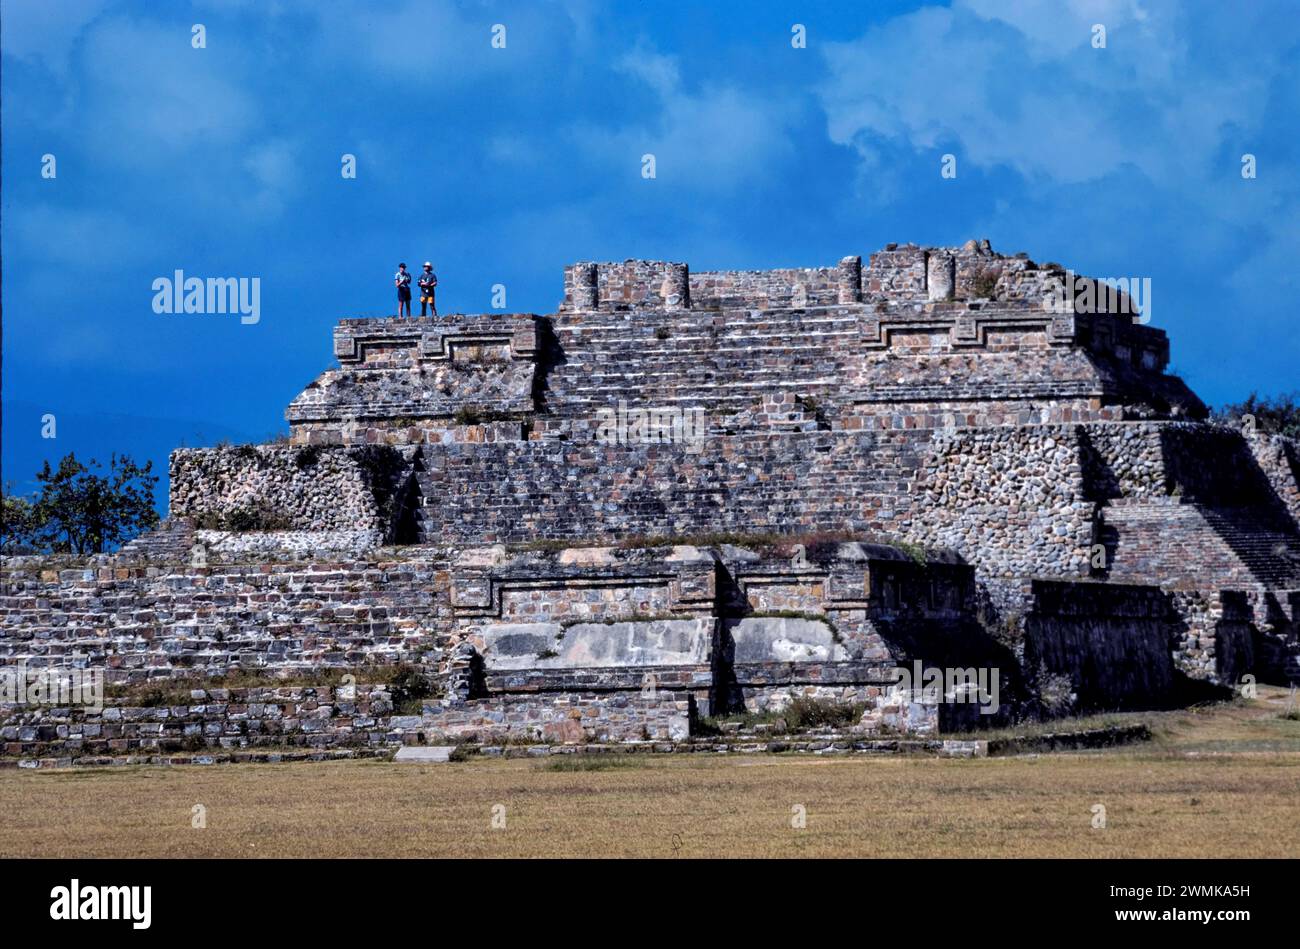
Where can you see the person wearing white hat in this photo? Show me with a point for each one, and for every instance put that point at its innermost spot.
(428, 280)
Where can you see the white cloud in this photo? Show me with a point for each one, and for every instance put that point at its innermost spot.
(1018, 85)
(276, 169)
(720, 137)
(148, 90)
(88, 239)
(46, 30)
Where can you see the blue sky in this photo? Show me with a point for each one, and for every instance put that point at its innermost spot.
(503, 165)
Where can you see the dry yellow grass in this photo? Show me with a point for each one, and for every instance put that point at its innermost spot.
(1223, 782)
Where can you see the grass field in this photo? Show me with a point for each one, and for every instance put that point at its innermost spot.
(1218, 781)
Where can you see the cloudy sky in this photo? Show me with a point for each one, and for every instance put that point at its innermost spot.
(502, 165)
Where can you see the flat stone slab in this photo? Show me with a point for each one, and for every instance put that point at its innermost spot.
(425, 754)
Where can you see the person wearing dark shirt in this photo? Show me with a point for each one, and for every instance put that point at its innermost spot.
(428, 280)
(403, 281)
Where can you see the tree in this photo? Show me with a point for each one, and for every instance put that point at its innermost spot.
(79, 510)
(16, 522)
(1279, 415)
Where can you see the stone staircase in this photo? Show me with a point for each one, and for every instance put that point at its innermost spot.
(724, 361)
(169, 542)
(1233, 548)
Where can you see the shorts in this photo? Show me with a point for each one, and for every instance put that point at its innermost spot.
(404, 294)
(426, 298)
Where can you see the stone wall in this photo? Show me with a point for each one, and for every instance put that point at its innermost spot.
(1278, 459)
(284, 487)
(768, 289)
(420, 381)
(278, 717)
(785, 483)
(157, 620)
(898, 273)
(1123, 461)
(948, 398)
(568, 717)
(631, 284)
(1109, 642)
(1011, 500)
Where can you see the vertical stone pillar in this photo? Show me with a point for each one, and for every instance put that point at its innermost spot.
(586, 287)
(676, 291)
(850, 280)
(940, 276)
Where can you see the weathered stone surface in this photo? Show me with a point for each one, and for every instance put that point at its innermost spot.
(513, 506)
(782, 639)
(424, 754)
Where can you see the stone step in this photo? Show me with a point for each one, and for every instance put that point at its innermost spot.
(710, 322)
(777, 333)
(424, 754)
(1264, 547)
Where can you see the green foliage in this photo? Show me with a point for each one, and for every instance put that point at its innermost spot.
(79, 509)
(1279, 415)
(800, 714)
(307, 456)
(244, 520)
(410, 689)
(805, 712)
(477, 415)
(915, 551)
(16, 522)
(985, 284)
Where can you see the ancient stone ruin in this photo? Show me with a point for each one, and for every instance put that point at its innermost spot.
(686, 495)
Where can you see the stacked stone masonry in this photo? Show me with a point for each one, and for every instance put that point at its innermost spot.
(970, 465)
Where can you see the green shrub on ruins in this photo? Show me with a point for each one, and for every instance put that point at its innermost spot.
(800, 714)
(477, 415)
(410, 688)
(803, 712)
(306, 456)
(243, 520)
(915, 551)
(985, 284)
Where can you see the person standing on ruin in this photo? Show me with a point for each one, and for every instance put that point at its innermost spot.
(403, 281)
(428, 280)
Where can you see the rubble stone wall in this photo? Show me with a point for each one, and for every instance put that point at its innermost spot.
(1011, 500)
(261, 487)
